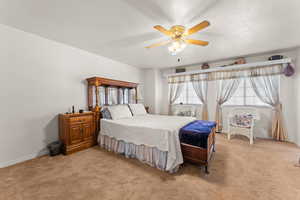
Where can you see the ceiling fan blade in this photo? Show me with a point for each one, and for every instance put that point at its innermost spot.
(159, 44)
(196, 42)
(163, 30)
(197, 28)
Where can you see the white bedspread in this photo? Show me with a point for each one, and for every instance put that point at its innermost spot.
(159, 131)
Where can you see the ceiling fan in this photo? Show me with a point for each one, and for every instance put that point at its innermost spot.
(178, 36)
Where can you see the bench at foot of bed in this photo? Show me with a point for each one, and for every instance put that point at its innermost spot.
(197, 147)
(197, 155)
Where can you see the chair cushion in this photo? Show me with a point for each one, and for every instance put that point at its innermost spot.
(242, 121)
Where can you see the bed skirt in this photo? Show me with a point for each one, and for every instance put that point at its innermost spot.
(148, 155)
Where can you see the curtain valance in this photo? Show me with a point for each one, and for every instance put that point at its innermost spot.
(229, 74)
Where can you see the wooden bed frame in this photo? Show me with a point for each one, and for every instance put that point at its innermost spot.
(190, 153)
(94, 83)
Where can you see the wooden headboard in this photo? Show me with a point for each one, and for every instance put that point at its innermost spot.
(96, 82)
(93, 91)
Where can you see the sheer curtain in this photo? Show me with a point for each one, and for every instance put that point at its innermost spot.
(200, 88)
(227, 88)
(267, 89)
(175, 89)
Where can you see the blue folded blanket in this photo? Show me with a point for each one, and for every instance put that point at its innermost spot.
(196, 133)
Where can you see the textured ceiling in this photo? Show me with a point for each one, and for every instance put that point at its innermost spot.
(120, 29)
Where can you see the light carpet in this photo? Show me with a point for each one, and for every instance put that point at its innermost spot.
(238, 171)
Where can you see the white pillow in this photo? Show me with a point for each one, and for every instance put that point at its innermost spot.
(119, 112)
(137, 109)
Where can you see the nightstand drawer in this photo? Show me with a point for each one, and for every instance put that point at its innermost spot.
(83, 119)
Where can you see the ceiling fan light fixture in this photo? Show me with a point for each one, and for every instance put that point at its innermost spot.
(178, 38)
(177, 46)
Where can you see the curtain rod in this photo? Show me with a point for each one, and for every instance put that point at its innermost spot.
(232, 67)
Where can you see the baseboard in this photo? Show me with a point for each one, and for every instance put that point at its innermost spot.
(24, 158)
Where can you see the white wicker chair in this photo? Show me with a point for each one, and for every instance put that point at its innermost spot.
(241, 121)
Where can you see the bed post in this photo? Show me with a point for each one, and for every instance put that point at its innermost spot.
(90, 96)
(97, 107)
(97, 110)
(136, 95)
(119, 95)
(123, 90)
(129, 95)
(106, 95)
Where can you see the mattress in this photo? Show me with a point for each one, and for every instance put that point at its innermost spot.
(158, 131)
(196, 133)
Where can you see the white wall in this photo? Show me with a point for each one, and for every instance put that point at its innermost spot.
(39, 79)
(296, 107)
(153, 90)
(149, 89)
(289, 94)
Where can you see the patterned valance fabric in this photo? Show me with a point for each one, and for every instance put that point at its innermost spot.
(229, 74)
(179, 79)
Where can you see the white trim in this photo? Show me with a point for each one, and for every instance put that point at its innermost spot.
(192, 104)
(24, 158)
(249, 106)
(232, 67)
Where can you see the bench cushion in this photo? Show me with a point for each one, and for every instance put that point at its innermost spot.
(196, 133)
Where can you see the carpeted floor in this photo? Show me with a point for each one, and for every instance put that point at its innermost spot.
(238, 171)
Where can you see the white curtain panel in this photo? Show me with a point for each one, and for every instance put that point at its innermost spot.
(226, 90)
(175, 89)
(200, 88)
(267, 89)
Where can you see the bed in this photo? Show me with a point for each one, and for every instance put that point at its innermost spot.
(158, 132)
(152, 139)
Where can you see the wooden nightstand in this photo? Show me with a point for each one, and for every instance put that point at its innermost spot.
(77, 131)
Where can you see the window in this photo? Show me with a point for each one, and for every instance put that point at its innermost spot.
(188, 95)
(245, 95)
